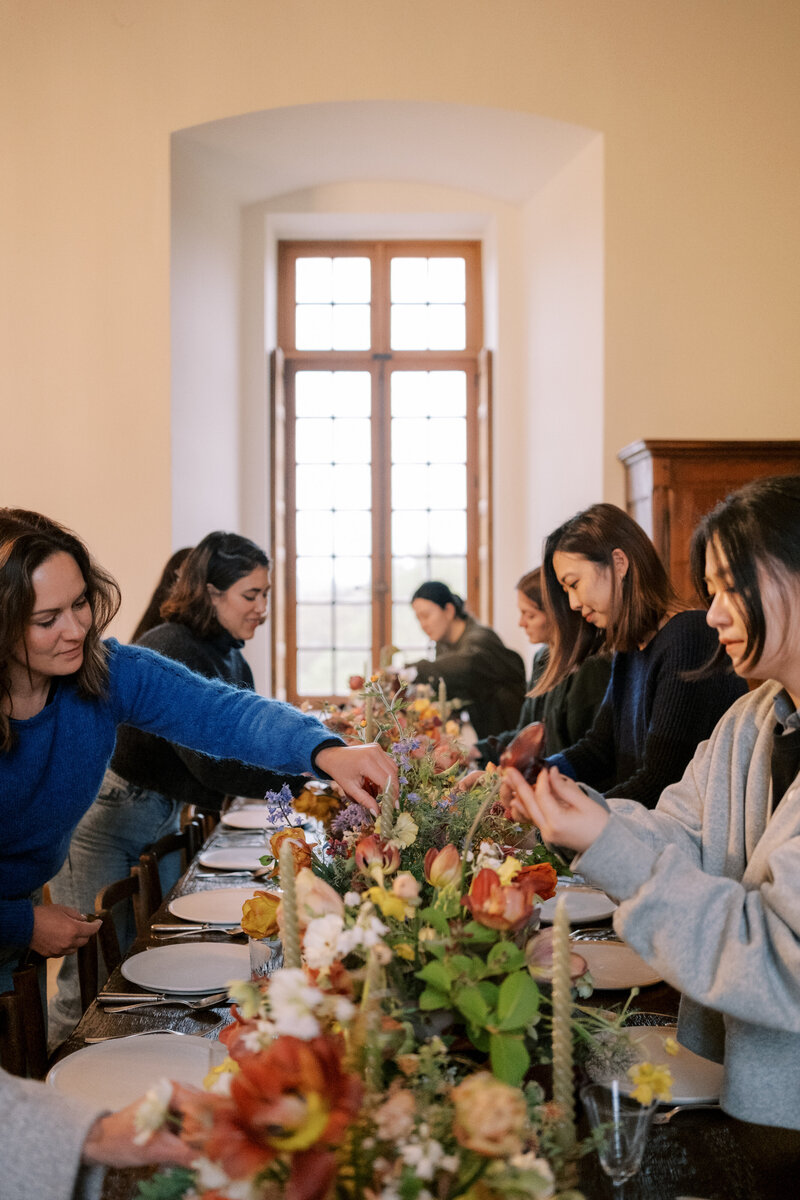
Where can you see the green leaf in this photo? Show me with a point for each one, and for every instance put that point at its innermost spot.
(431, 916)
(479, 1038)
(471, 1004)
(460, 964)
(517, 1001)
(489, 991)
(437, 975)
(432, 999)
(169, 1186)
(509, 1058)
(505, 957)
(479, 933)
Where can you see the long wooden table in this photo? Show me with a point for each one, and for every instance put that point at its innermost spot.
(699, 1154)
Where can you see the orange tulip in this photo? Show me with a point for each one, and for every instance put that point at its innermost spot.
(539, 880)
(498, 906)
(443, 867)
(301, 851)
(260, 914)
(376, 858)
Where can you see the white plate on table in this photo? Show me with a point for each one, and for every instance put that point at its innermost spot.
(614, 965)
(113, 1074)
(242, 858)
(695, 1080)
(188, 968)
(252, 816)
(583, 904)
(221, 906)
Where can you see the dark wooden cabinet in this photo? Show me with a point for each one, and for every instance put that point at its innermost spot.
(671, 484)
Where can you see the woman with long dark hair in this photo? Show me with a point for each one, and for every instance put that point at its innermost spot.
(602, 573)
(708, 881)
(487, 677)
(64, 692)
(568, 709)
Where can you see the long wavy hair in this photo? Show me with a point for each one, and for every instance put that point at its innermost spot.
(152, 614)
(219, 559)
(28, 539)
(758, 525)
(639, 601)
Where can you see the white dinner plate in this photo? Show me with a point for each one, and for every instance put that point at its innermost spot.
(222, 906)
(113, 1074)
(188, 968)
(695, 1080)
(243, 858)
(583, 904)
(252, 816)
(614, 965)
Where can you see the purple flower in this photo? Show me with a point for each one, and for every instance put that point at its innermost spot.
(352, 817)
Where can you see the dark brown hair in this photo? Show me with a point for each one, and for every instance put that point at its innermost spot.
(758, 524)
(639, 601)
(152, 614)
(28, 539)
(530, 584)
(219, 559)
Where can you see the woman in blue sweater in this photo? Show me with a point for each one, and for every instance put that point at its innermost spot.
(63, 694)
(602, 572)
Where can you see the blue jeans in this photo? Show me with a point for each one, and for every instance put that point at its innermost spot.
(105, 845)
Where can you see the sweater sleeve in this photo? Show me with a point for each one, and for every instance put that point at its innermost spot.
(160, 696)
(43, 1137)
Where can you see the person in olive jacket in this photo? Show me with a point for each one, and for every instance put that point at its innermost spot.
(477, 668)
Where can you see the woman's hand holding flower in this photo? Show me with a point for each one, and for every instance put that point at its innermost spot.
(563, 813)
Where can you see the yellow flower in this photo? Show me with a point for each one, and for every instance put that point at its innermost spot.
(228, 1067)
(405, 830)
(403, 950)
(671, 1046)
(652, 1082)
(452, 729)
(260, 914)
(318, 804)
(389, 904)
(509, 870)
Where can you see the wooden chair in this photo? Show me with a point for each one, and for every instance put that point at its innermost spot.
(129, 889)
(188, 842)
(23, 1037)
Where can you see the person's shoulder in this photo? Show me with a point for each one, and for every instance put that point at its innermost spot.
(687, 628)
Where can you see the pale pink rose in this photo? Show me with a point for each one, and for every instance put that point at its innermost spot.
(490, 1116)
(394, 1119)
(315, 897)
(405, 886)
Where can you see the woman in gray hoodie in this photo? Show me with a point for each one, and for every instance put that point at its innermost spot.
(708, 882)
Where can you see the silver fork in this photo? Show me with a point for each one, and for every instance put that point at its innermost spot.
(198, 931)
(664, 1118)
(194, 1005)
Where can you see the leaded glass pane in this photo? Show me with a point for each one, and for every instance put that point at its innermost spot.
(315, 672)
(350, 327)
(448, 532)
(352, 533)
(447, 280)
(351, 441)
(314, 533)
(354, 626)
(314, 579)
(352, 281)
(313, 280)
(314, 624)
(314, 440)
(314, 327)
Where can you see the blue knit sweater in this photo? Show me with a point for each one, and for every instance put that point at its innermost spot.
(652, 718)
(52, 774)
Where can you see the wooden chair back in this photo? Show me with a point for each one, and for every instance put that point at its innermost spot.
(188, 842)
(23, 1036)
(130, 888)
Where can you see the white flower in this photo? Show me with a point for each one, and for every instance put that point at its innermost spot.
(246, 996)
(424, 1157)
(343, 1009)
(259, 1036)
(152, 1112)
(293, 1003)
(320, 942)
(211, 1177)
(529, 1162)
(407, 674)
(489, 855)
(352, 899)
(405, 831)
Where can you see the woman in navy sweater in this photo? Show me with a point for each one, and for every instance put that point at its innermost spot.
(602, 572)
(63, 694)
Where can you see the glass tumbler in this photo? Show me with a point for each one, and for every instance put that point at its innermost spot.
(622, 1123)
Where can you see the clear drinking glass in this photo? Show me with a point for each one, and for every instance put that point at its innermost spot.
(623, 1124)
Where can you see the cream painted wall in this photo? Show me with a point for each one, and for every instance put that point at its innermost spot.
(698, 103)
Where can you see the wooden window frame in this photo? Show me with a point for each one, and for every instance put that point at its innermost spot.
(379, 361)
